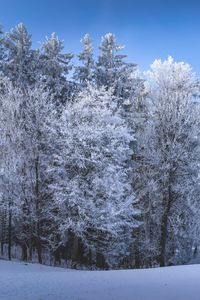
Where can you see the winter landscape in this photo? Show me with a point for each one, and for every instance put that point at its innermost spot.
(37, 282)
(99, 153)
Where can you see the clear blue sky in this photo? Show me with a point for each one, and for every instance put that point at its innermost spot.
(149, 29)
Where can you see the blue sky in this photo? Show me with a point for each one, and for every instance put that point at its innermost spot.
(149, 29)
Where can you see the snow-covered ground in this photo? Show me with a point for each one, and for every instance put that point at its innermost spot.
(19, 281)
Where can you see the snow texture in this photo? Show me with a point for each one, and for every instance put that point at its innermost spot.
(20, 281)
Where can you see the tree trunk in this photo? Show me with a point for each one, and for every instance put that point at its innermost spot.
(100, 261)
(38, 242)
(136, 250)
(89, 258)
(1, 248)
(3, 230)
(30, 250)
(75, 249)
(57, 258)
(24, 252)
(39, 251)
(164, 225)
(9, 231)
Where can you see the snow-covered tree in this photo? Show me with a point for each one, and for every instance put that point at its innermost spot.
(21, 61)
(55, 66)
(28, 127)
(10, 160)
(169, 149)
(38, 144)
(93, 189)
(1, 48)
(84, 73)
(111, 69)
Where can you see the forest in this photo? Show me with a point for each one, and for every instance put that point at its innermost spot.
(99, 161)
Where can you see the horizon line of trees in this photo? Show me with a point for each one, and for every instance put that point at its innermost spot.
(99, 168)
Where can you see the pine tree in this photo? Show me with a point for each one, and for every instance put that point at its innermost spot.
(55, 66)
(84, 73)
(2, 54)
(111, 69)
(20, 65)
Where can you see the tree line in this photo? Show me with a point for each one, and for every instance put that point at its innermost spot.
(99, 162)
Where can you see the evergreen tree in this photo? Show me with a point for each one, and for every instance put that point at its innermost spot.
(20, 65)
(2, 54)
(111, 69)
(84, 73)
(55, 66)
